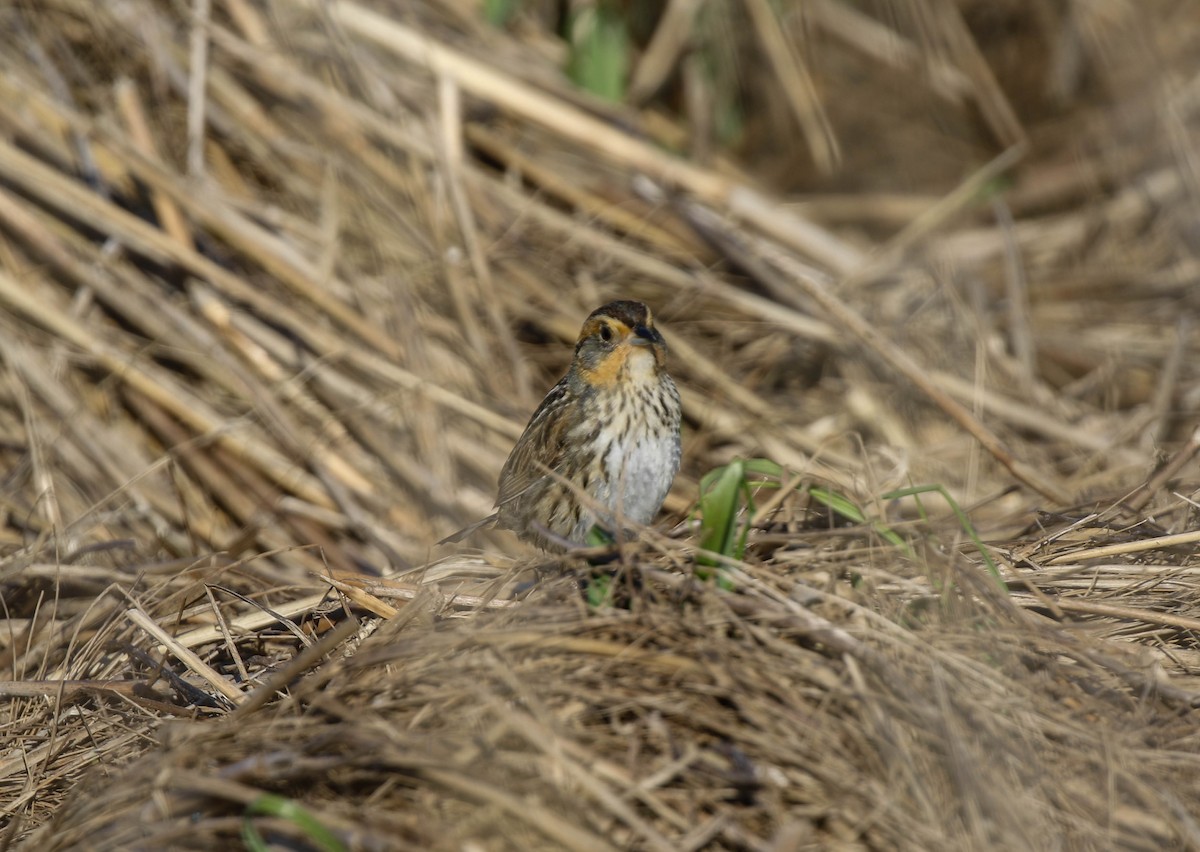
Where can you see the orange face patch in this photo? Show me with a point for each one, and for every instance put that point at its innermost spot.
(608, 370)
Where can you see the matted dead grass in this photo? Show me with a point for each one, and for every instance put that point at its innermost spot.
(280, 283)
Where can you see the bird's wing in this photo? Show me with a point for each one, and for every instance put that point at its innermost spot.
(456, 537)
(540, 446)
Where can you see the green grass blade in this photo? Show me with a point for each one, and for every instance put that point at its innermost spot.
(839, 504)
(281, 807)
(719, 505)
(599, 591)
(599, 59)
(499, 12)
(843, 506)
(963, 521)
(764, 467)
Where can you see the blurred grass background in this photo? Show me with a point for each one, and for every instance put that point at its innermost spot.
(281, 282)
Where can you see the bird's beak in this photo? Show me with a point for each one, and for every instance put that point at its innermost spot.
(643, 336)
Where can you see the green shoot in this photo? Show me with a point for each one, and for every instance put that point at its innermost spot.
(598, 536)
(599, 591)
(269, 804)
(841, 505)
(963, 520)
(499, 12)
(726, 490)
(599, 55)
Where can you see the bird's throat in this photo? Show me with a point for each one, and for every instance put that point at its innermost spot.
(626, 364)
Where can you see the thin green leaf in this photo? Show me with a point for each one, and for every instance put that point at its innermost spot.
(892, 537)
(281, 807)
(839, 504)
(499, 12)
(598, 536)
(963, 521)
(719, 504)
(599, 59)
(599, 591)
(764, 467)
(740, 547)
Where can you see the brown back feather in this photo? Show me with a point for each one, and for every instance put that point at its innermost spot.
(540, 444)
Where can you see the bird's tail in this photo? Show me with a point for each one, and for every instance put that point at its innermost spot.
(454, 538)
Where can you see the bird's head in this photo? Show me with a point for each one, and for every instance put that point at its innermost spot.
(618, 342)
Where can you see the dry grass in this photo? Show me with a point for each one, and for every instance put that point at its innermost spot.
(280, 283)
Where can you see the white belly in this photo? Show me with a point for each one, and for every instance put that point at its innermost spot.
(642, 468)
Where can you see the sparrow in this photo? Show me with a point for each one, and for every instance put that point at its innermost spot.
(603, 447)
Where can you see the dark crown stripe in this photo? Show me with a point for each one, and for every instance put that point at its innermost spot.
(627, 311)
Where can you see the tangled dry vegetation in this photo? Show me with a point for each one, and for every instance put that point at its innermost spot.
(280, 282)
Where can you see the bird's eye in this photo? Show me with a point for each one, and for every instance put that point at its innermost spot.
(605, 333)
